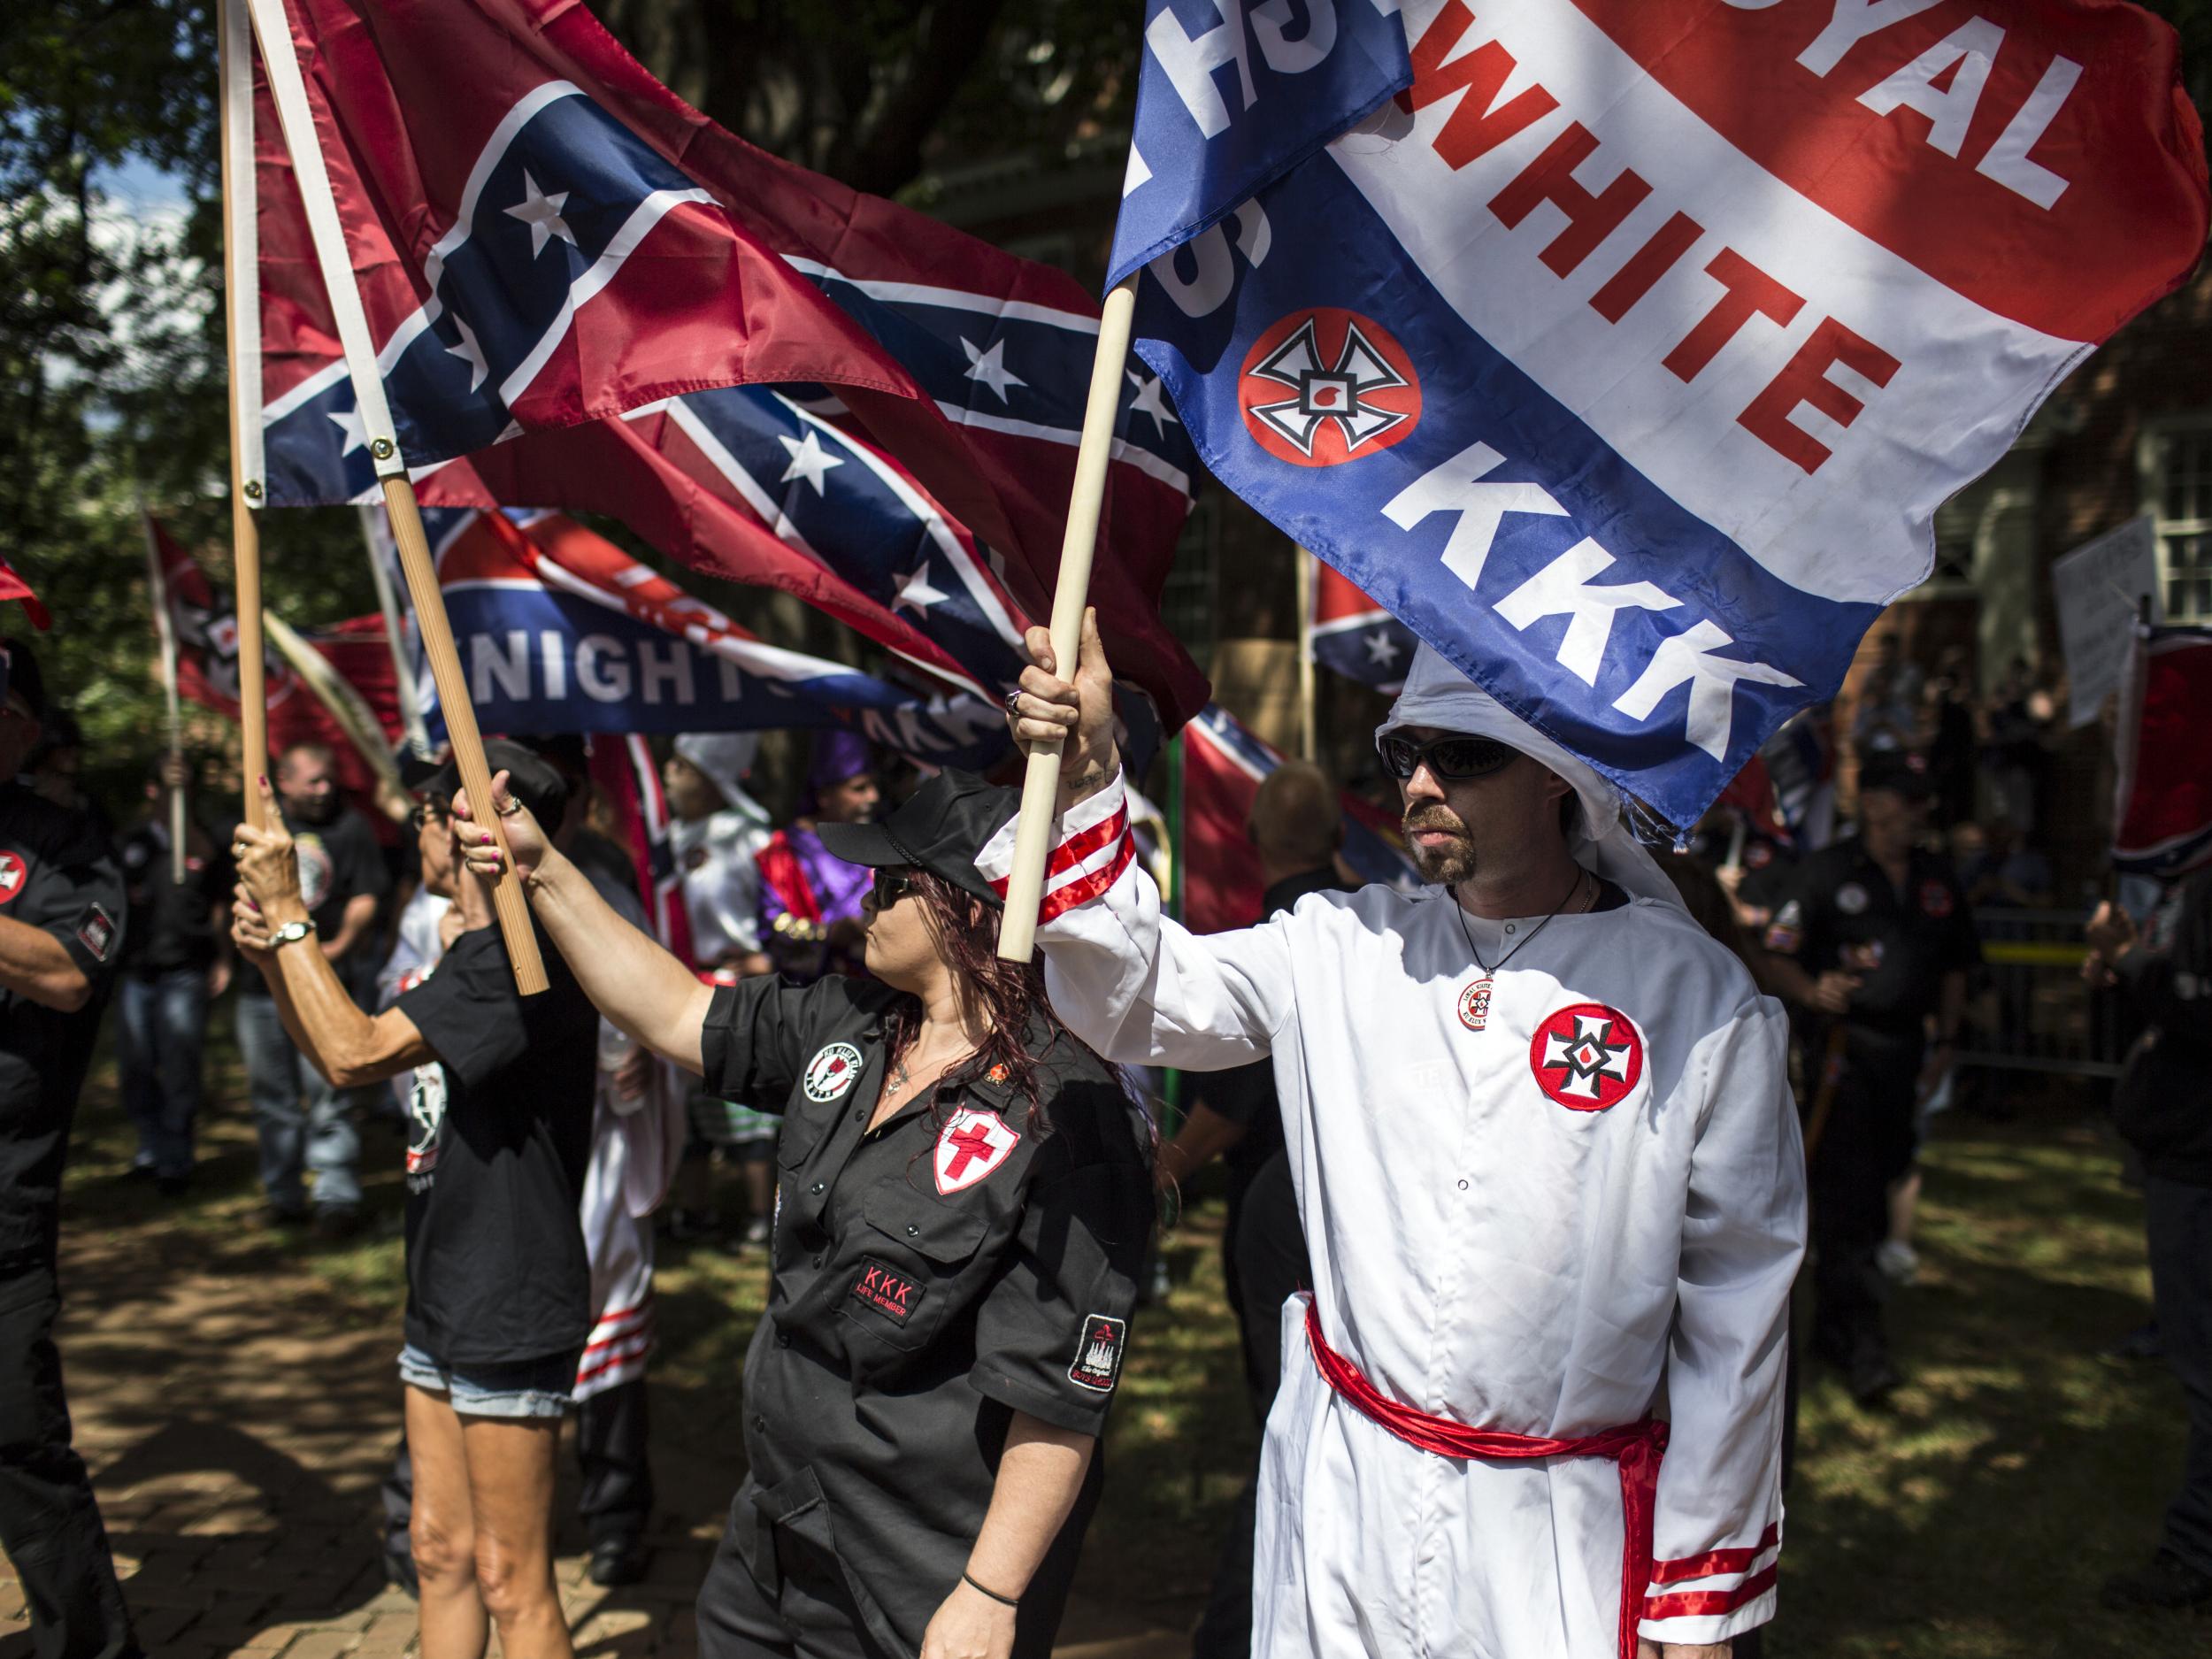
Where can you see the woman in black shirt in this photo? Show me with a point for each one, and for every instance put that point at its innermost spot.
(964, 1199)
(498, 1289)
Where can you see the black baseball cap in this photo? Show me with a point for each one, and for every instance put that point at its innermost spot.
(19, 673)
(1899, 772)
(529, 781)
(941, 828)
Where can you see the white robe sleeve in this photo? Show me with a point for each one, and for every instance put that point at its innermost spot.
(1136, 985)
(1718, 1528)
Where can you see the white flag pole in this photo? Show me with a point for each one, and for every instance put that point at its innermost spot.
(410, 719)
(273, 27)
(1040, 785)
(242, 284)
(166, 632)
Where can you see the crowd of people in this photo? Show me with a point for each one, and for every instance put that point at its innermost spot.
(1604, 1161)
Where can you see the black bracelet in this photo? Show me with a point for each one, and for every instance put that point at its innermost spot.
(1003, 1601)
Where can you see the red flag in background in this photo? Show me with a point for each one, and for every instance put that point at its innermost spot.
(13, 587)
(2165, 783)
(624, 769)
(546, 239)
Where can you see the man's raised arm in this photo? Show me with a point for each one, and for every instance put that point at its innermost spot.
(629, 978)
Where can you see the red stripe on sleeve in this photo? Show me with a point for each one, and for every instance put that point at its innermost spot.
(1059, 901)
(1078, 847)
(1710, 1603)
(1716, 1563)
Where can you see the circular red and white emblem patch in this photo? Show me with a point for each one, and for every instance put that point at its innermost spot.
(1935, 899)
(1586, 1056)
(832, 1071)
(14, 873)
(1326, 386)
(1474, 1004)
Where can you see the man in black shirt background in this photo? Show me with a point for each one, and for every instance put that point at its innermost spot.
(61, 919)
(303, 1122)
(1875, 936)
(176, 959)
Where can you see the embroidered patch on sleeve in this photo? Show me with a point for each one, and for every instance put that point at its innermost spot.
(1098, 1353)
(96, 933)
(886, 1291)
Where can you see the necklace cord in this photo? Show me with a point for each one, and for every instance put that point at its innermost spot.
(1468, 933)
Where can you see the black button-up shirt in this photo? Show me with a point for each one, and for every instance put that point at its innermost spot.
(960, 1263)
(1842, 912)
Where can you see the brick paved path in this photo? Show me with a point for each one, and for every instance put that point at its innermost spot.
(238, 1416)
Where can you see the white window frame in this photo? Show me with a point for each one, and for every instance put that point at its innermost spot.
(2151, 451)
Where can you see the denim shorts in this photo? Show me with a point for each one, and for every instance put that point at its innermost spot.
(532, 1388)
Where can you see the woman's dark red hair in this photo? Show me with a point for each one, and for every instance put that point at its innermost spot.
(1012, 993)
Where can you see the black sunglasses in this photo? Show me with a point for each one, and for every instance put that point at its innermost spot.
(892, 883)
(1453, 759)
(425, 813)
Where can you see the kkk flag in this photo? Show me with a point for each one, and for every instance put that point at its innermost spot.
(2165, 795)
(559, 630)
(547, 240)
(1624, 349)
(1223, 764)
(1356, 637)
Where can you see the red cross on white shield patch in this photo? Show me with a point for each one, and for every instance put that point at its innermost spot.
(1586, 1056)
(12, 870)
(972, 1144)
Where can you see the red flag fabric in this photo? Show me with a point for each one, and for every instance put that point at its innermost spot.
(544, 238)
(624, 769)
(2165, 794)
(13, 587)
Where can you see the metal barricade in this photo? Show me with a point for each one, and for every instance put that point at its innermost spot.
(2029, 1010)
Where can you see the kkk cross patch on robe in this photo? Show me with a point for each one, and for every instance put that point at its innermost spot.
(1586, 1056)
(1098, 1353)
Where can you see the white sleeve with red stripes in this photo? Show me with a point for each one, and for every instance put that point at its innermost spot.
(1136, 985)
(1718, 1527)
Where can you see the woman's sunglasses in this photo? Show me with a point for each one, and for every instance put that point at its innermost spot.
(893, 882)
(425, 813)
(1453, 759)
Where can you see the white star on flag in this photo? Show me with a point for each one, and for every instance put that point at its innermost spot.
(809, 460)
(990, 366)
(348, 421)
(470, 353)
(914, 590)
(1150, 400)
(1382, 650)
(542, 214)
(1587, 1055)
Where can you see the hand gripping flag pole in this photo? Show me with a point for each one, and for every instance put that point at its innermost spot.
(1040, 785)
(274, 28)
(242, 328)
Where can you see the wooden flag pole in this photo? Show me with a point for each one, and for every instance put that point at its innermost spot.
(273, 27)
(1308, 740)
(241, 324)
(166, 632)
(1040, 784)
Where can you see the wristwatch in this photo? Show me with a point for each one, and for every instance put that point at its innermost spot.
(291, 933)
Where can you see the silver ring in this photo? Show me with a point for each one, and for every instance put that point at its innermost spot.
(512, 807)
(1014, 702)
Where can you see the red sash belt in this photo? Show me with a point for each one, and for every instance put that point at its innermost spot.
(1634, 1448)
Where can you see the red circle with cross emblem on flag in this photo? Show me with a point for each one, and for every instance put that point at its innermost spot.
(14, 872)
(1326, 386)
(1587, 1056)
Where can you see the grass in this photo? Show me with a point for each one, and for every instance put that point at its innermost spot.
(1975, 1520)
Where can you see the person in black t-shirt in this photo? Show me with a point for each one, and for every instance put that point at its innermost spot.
(964, 1204)
(498, 1289)
(1875, 937)
(344, 882)
(176, 960)
(61, 909)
